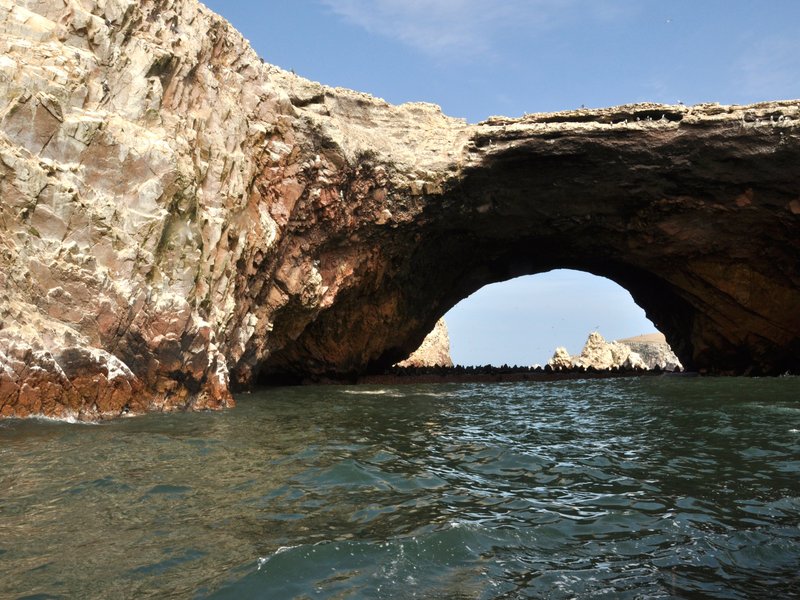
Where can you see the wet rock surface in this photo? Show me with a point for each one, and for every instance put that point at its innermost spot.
(179, 219)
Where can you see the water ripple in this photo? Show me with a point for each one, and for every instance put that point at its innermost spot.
(637, 488)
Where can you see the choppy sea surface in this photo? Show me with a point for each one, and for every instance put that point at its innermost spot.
(657, 487)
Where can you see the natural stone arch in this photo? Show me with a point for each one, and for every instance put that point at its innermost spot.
(694, 213)
(179, 216)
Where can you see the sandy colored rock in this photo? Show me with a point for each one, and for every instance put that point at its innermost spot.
(179, 218)
(599, 354)
(561, 359)
(654, 351)
(634, 361)
(645, 338)
(434, 350)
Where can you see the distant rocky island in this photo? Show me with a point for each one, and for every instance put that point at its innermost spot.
(648, 354)
(645, 352)
(650, 351)
(434, 350)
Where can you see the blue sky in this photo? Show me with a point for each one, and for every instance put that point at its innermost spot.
(477, 58)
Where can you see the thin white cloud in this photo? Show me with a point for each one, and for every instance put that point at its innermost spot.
(448, 29)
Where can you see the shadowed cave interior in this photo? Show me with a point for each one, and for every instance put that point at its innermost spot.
(583, 284)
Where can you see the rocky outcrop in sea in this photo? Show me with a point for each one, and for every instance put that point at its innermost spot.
(434, 350)
(644, 352)
(654, 351)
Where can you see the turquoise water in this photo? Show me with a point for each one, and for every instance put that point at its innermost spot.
(627, 488)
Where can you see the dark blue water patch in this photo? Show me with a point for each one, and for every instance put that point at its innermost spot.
(174, 561)
(164, 489)
(204, 448)
(346, 474)
(445, 563)
(102, 485)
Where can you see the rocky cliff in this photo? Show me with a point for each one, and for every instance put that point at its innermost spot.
(654, 351)
(179, 218)
(644, 352)
(598, 354)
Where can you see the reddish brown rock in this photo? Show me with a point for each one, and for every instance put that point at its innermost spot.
(177, 216)
(649, 196)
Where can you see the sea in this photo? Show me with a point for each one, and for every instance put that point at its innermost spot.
(654, 487)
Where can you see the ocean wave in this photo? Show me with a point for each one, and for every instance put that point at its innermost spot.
(69, 419)
(263, 560)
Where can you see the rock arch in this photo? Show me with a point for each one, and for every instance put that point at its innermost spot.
(693, 211)
(179, 218)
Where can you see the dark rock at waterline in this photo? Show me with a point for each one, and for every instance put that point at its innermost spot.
(476, 374)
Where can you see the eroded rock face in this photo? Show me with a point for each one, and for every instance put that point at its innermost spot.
(561, 359)
(434, 350)
(178, 210)
(654, 351)
(598, 354)
(178, 218)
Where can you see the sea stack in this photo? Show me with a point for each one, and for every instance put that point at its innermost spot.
(640, 353)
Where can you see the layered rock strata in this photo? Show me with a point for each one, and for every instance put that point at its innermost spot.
(179, 218)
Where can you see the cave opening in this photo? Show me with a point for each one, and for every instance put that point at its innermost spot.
(521, 321)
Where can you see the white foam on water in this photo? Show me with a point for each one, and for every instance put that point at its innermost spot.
(790, 410)
(396, 393)
(435, 394)
(262, 560)
(69, 419)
